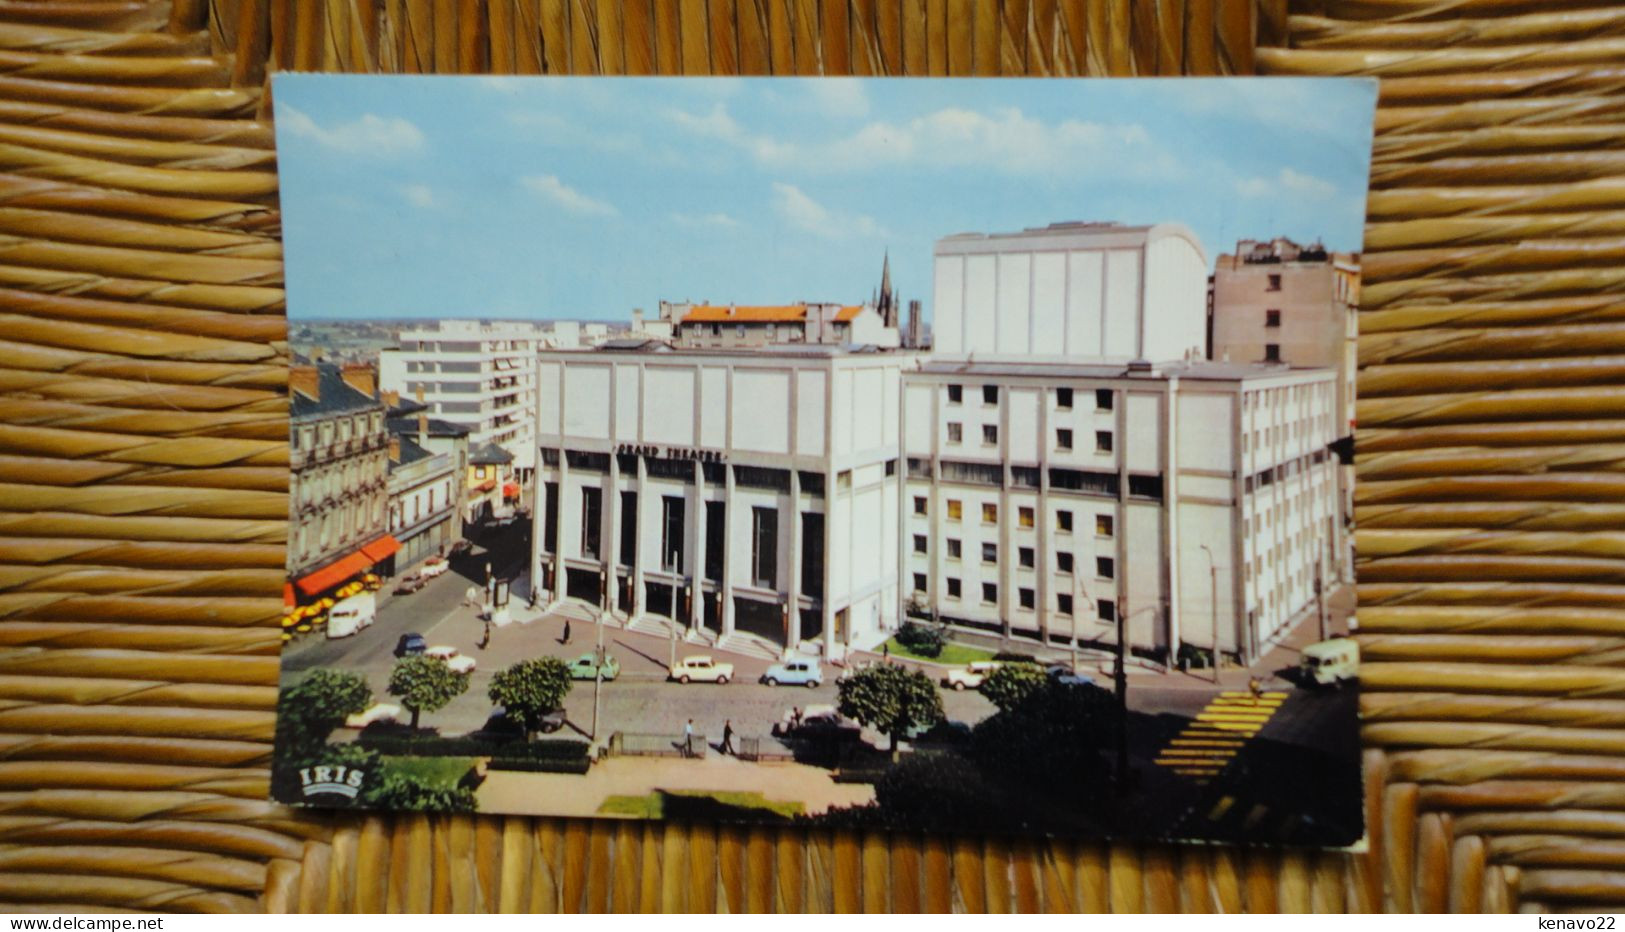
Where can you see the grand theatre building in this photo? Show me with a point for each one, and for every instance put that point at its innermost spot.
(734, 498)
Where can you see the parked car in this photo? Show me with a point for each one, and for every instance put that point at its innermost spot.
(409, 584)
(586, 667)
(433, 567)
(799, 672)
(817, 722)
(455, 659)
(1066, 676)
(377, 712)
(410, 644)
(462, 546)
(972, 675)
(499, 728)
(701, 668)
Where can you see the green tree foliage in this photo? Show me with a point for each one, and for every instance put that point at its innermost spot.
(425, 684)
(891, 699)
(1051, 740)
(531, 689)
(927, 640)
(308, 711)
(396, 790)
(1011, 684)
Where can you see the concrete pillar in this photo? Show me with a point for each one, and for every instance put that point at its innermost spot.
(611, 534)
(1042, 528)
(643, 552)
(792, 586)
(729, 515)
(558, 537)
(538, 533)
(694, 519)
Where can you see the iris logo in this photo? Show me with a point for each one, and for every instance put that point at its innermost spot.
(345, 781)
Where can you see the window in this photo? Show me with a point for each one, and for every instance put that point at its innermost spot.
(1103, 399)
(1027, 556)
(1063, 562)
(1107, 609)
(1275, 282)
(919, 582)
(956, 432)
(1024, 514)
(629, 529)
(1063, 398)
(716, 530)
(953, 588)
(764, 563)
(956, 509)
(891, 467)
(812, 554)
(977, 473)
(1145, 486)
(990, 394)
(919, 504)
(1063, 439)
(953, 548)
(1026, 477)
(591, 508)
(990, 553)
(671, 533)
(843, 480)
(1272, 318)
(990, 434)
(919, 468)
(919, 543)
(990, 513)
(1103, 441)
(1025, 596)
(1105, 567)
(1063, 603)
(990, 593)
(1063, 522)
(956, 394)
(1272, 352)
(1103, 525)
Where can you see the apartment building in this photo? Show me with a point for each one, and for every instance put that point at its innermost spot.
(708, 326)
(736, 496)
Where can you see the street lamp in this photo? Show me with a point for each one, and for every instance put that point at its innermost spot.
(1213, 611)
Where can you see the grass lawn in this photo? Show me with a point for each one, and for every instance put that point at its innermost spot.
(434, 771)
(652, 806)
(952, 654)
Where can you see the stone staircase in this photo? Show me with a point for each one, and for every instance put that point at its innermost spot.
(750, 645)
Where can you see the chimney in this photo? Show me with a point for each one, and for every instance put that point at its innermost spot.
(361, 378)
(423, 420)
(391, 398)
(306, 381)
(394, 448)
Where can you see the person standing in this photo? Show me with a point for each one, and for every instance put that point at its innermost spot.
(566, 632)
(727, 737)
(688, 738)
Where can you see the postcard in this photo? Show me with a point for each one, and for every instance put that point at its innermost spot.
(945, 455)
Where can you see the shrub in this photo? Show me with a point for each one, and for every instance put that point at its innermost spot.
(1015, 656)
(397, 790)
(308, 711)
(401, 746)
(1011, 684)
(1051, 740)
(927, 640)
(577, 765)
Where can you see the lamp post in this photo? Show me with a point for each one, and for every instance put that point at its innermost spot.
(1213, 611)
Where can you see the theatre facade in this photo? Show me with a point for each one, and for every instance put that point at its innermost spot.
(726, 497)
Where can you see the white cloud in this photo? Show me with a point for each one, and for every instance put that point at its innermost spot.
(561, 194)
(838, 97)
(802, 212)
(717, 123)
(419, 195)
(368, 134)
(1286, 182)
(705, 220)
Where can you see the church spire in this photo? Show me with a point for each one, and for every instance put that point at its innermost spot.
(886, 300)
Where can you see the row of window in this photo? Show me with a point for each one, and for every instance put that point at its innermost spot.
(1063, 437)
(1026, 516)
(339, 428)
(1063, 397)
(1026, 597)
(1105, 567)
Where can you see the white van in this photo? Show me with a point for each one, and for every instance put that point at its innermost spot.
(1331, 663)
(351, 615)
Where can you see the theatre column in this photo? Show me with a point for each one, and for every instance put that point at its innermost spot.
(694, 518)
(792, 587)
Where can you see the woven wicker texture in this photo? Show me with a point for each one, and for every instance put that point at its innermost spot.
(143, 459)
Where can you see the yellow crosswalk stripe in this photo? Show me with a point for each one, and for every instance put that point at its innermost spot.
(1208, 742)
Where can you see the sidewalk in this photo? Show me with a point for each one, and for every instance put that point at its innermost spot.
(572, 795)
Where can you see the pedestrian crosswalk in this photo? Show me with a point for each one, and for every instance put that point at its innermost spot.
(1206, 745)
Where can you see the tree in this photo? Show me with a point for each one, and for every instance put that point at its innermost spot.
(425, 684)
(530, 689)
(891, 699)
(1051, 740)
(1010, 685)
(407, 791)
(308, 711)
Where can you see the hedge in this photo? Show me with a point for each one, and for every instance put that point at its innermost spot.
(577, 766)
(547, 749)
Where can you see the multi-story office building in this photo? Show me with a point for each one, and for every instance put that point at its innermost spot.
(747, 496)
(1277, 301)
(1046, 497)
(425, 498)
(717, 326)
(337, 491)
(479, 374)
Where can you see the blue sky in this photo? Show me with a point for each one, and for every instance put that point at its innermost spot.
(587, 197)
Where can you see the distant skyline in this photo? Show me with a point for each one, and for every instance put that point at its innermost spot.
(418, 198)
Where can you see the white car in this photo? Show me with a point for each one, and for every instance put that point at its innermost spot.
(796, 672)
(455, 659)
(433, 567)
(377, 712)
(701, 669)
(972, 675)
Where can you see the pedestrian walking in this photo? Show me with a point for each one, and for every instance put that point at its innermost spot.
(727, 737)
(885, 652)
(1256, 687)
(566, 632)
(795, 717)
(688, 738)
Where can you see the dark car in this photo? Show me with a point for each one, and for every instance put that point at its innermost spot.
(410, 584)
(1065, 676)
(499, 728)
(410, 645)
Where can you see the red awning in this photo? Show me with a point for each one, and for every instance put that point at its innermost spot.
(332, 574)
(381, 549)
(511, 490)
(485, 486)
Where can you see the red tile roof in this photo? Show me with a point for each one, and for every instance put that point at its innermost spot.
(759, 314)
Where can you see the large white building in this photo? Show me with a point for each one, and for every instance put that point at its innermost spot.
(747, 496)
(480, 374)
